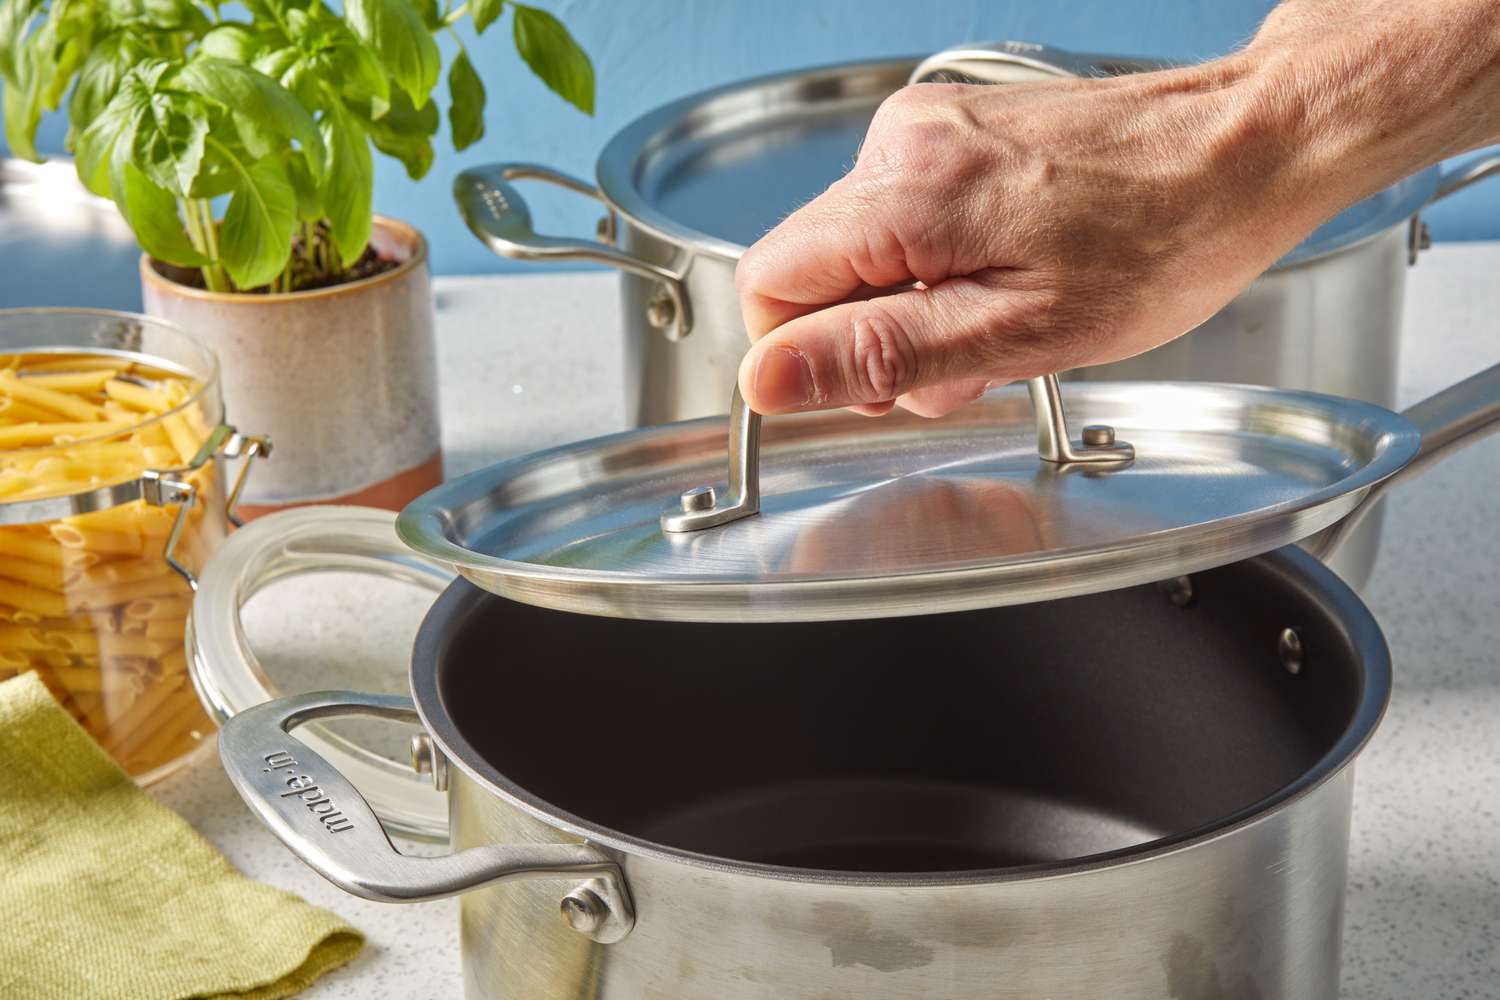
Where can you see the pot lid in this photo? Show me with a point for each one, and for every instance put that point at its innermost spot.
(343, 633)
(854, 518)
(718, 169)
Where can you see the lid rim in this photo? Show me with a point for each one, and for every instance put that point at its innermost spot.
(1052, 570)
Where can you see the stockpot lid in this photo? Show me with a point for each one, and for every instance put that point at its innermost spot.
(859, 518)
(716, 170)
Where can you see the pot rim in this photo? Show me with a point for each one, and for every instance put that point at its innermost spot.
(150, 275)
(617, 168)
(1291, 563)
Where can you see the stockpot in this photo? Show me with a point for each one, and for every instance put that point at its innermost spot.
(1138, 793)
(689, 186)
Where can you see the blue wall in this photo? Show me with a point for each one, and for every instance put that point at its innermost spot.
(647, 52)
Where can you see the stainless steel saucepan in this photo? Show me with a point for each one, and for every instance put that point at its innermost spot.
(1139, 792)
(687, 187)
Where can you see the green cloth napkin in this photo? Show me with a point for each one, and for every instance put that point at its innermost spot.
(106, 893)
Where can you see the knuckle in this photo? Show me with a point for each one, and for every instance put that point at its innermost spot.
(883, 362)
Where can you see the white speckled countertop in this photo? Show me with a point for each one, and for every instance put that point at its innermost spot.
(527, 362)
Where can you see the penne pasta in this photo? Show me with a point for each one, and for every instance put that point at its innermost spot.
(87, 601)
(137, 397)
(71, 381)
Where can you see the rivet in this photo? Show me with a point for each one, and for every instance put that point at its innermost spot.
(661, 312)
(1289, 648)
(584, 911)
(1178, 590)
(428, 759)
(1098, 435)
(698, 498)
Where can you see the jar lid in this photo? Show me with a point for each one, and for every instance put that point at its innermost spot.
(344, 643)
(717, 170)
(858, 518)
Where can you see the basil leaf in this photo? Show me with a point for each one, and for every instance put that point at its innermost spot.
(15, 19)
(348, 189)
(115, 124)
(255, 241)
(235, 42)
(466, 112)
(405, 132)
(152, 214)
(552, 55)
(22, 110)
(309, 198)
(168, 142)
(431, 16)
(364, 79)
(262, 102)
(394, 29)
(168, 15)
(100, 76)
(484, 13)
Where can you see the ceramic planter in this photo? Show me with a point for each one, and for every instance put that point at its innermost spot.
(342, 379)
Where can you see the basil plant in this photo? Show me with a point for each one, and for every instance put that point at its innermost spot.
(175, 106)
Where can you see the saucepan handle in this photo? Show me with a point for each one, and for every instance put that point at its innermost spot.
(1451, 420)
(320, 816)
(703, 507)
(496, 213)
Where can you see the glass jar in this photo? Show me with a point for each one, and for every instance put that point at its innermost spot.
(111, 498)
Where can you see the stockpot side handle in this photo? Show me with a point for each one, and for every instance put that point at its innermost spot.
(1454, 177)
(496, 213)
(702, 506)
(323, 819)
(1449, 421)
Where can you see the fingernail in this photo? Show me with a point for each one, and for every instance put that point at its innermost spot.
(783, 380)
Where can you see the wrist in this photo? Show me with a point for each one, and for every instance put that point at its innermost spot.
(1367, 92)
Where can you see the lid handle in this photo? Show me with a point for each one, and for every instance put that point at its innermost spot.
(702, 507)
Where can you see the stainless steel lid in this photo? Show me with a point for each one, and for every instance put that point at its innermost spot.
(855, 518)
(718, 169)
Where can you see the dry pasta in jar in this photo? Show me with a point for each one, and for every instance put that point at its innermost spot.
(89, 602)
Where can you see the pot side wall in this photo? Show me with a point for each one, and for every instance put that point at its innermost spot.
(1257, 913)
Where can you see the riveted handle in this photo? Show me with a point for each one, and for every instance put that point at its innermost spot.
(496, 213)
(325, 821)
(703, 506)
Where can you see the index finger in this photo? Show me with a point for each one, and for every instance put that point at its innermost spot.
(833, 249)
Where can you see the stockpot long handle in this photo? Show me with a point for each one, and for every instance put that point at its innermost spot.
(1451, 420)
(496, 213)
(325, 821)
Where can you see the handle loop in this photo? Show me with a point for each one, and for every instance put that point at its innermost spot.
(496, 213)
(324, 820)
(701, 507)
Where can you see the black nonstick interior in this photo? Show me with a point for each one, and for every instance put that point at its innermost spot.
(952, 742)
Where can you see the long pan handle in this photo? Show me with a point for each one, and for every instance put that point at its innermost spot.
(1453, 419)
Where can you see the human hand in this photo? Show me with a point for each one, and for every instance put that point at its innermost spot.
(1053, 225)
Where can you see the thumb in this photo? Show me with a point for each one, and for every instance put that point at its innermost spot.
(862, 353)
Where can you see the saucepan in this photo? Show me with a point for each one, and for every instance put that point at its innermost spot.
(1140, 791)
